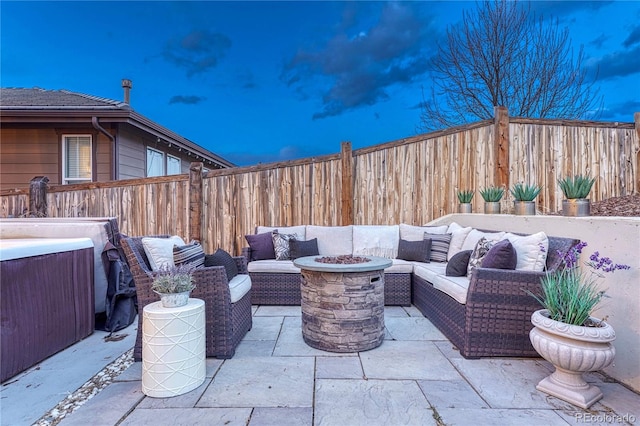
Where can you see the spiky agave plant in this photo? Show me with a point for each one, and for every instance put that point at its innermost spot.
(524, 192)
(577, 186)
(492, 194)
(465, 196)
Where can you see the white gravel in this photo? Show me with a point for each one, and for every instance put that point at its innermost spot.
(87, 391)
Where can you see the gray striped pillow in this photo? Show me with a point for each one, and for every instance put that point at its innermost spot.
(439, 246)
(190, 254)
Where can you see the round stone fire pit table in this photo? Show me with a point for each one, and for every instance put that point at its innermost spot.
(342, 304)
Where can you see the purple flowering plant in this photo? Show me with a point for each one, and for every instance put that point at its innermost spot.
(173, 279)
(569, 294)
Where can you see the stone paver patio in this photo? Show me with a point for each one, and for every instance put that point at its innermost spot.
(414, 378)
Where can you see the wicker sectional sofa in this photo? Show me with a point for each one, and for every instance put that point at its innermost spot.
(486, 313)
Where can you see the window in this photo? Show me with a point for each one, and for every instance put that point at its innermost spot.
(155, 163)
(76, 159)
(173, 165)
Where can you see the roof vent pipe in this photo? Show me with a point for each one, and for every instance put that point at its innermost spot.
(126, 85)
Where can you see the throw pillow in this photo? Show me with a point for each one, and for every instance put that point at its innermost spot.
(301, 248)
(222, 258)
(531, 250)
(439, 246)
(458, 235)
(502, 255)
(420, 251)
(479, 252)
(457, 265)
(159, 251)
(281, 245)
(474, 236)
(190, 254)
(416, 233)
(261, 246)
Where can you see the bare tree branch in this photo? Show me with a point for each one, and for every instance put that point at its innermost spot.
(502, 55)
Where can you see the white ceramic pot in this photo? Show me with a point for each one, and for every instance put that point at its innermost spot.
(573, 350)
(174, 300)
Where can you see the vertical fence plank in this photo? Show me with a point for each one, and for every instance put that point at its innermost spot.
(346, 213)
(195, 201)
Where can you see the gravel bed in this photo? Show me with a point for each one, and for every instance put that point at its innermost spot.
(87, 391)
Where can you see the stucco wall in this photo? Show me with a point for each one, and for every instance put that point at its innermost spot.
(614, 237)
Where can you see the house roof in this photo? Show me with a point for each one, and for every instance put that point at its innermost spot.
(36, 105)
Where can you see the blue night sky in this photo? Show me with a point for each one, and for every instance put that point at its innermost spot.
(270, 81)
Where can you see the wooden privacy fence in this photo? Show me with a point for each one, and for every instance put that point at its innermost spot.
(412, 180)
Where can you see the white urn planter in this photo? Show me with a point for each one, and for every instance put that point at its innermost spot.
(573, 350)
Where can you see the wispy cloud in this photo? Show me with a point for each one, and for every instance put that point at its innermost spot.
(634, 37)
(198, 51)
(288, 152)
(189, 100)
(563, 10)
(616, 64)
(599, 41)
(620, 111)
(356, 67)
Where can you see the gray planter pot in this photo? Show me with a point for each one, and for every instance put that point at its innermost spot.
(492, 207)
(464, 208)
(524, 208)
(576, 207)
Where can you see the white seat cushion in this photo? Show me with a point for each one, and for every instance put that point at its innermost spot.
(272, 265)
(239, 286)
(456, 287)
(434, 273)
(376, 240)
(429, 271)
(332, 240)
(399, 266)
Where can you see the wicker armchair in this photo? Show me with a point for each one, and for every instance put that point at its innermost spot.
(226, 322)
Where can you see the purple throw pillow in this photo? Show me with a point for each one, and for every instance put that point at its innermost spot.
(261, 246)
(502, 255)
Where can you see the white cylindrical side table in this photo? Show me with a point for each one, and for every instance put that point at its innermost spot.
(173, 348)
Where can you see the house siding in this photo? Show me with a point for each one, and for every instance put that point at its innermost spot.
(26, 153)
(131, 154)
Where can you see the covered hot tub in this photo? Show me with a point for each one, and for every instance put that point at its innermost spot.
(46, 298)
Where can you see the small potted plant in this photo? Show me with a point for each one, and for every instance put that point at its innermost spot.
(576, 189)
(465, 197)
(492, 196)
(566, 334)
(524, 196)
(174, 285)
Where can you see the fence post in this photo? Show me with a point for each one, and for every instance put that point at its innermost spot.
(38, 196)
(346, 211)
(501, 146)
(636, 119)
(195, 201)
